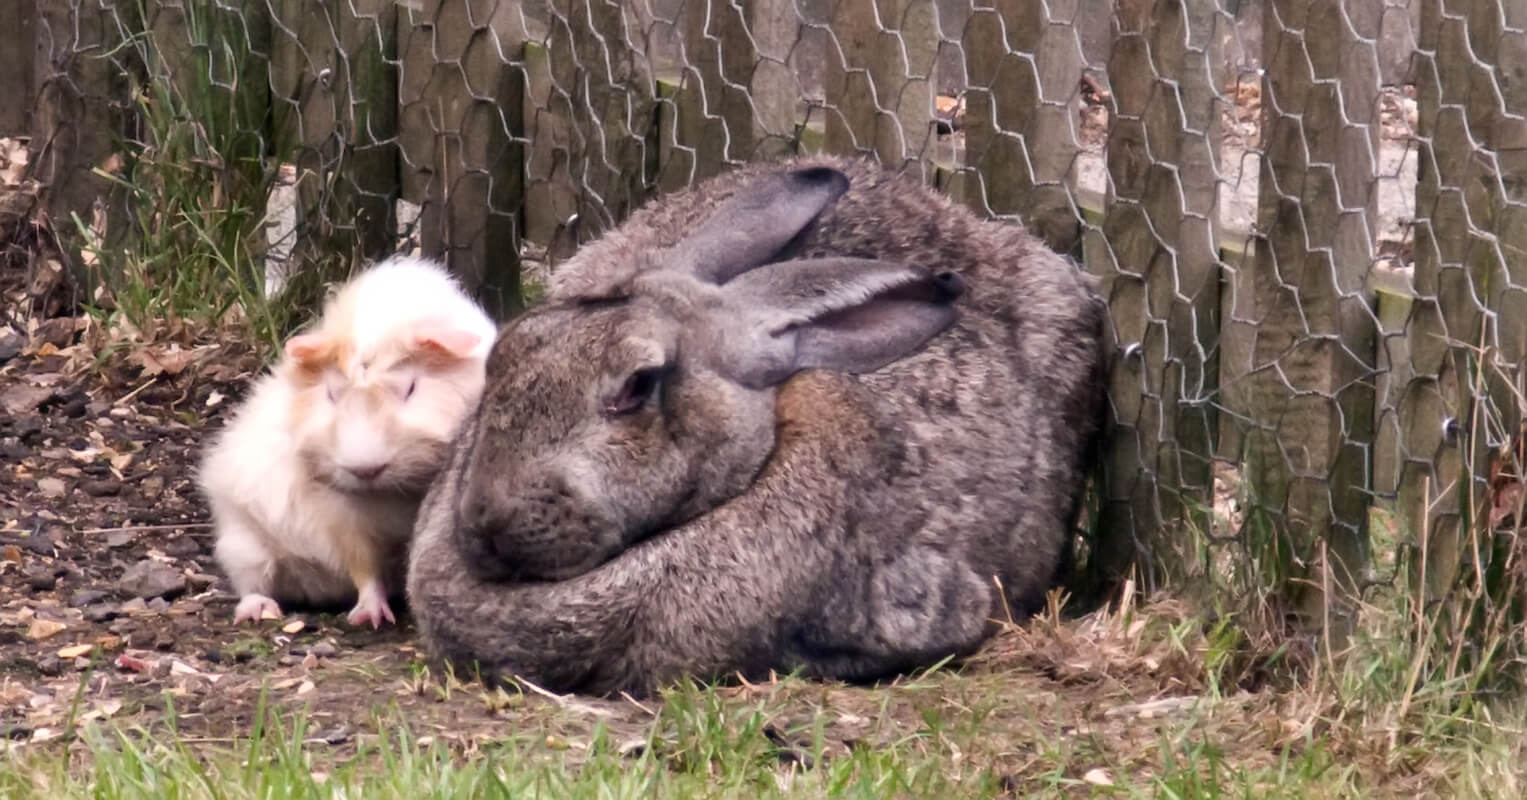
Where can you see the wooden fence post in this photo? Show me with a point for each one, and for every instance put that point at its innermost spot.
(1161, 273)
(602, 87)
(1025, 66)
(334, 91)
(81, 105)
(738, 97)
(459, 126)
(1471, 256)
(551, 194)
(18, 64)
(879, 81)
(1308, 392)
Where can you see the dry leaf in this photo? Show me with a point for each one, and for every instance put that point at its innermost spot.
(169, 359)
(75, 651)
(1098, 777)
(43, 628)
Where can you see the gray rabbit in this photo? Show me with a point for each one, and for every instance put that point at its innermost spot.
(806, 415)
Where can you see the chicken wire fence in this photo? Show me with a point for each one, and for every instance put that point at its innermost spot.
(1306, 215)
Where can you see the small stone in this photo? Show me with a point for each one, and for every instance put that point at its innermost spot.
(106, 487)
(51, 487)
(50, 666)
(75, 651)
(41, 544)
(101, 612)
(200, 581)
(27, 427)
(151, 579)
(86, 597)
(164, 644)
(294, 627)
(159, 604)
(162, 669)
(152, 486)
(135, 606)
(16, 731)
(182, 547)
(140, 640)
(288, 661)
(74, 407)
(81, 664)
(117, 540)
(324, 649)
(11, 553)
(338, 735)
(11, 343)
(42, 581)
(214, 656)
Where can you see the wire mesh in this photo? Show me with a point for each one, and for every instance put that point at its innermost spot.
(1307, 217)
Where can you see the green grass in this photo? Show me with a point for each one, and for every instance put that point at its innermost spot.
(699, 746)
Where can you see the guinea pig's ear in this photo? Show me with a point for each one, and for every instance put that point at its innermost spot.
(309, 350)
(759, 224)
(847, 314)
(441, 341)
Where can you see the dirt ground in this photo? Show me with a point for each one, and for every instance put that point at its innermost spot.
(112, 608)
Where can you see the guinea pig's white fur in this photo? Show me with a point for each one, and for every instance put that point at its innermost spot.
(315, 481)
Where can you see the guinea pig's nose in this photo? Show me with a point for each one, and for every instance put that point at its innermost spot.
(366, 472)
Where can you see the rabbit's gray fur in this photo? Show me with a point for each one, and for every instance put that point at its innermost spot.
(851, 521)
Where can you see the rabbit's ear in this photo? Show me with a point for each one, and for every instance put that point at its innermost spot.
(758, 225)
(847, 314)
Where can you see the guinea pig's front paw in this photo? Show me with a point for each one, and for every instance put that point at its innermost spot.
(255, 607)
(371, 607)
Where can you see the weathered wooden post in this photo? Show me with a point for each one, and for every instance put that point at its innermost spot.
(1161, 272)
(1305, 386)
(1024, 61)
(459, 119)
(879, 81)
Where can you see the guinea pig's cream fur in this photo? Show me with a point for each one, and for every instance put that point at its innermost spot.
(315, 481)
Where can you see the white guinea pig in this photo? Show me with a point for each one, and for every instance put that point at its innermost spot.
(315, 481)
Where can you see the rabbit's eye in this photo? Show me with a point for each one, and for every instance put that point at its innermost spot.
(409, 392)
(634, 392)
(329, 390)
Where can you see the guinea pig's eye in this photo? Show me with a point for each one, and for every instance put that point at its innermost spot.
(635, 391)
(409, 392)
(329, 391)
